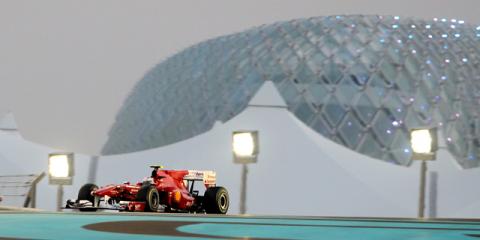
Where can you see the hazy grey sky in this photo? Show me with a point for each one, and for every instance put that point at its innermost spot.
(67, 66)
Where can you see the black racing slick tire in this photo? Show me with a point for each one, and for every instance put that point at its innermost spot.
(216, 200)
(149, 194)
(85, 193)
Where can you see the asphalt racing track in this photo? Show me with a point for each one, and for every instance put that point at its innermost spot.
(40, 225)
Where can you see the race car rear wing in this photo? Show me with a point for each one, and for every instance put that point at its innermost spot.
(209, 178)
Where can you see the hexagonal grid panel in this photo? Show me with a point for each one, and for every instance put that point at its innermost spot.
(361, 81)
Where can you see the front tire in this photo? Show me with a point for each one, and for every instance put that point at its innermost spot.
(85, 193)
(216, 200)
(149, 195)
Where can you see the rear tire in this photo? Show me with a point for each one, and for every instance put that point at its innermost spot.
(149, 195)
(85, 193)
(216, 200)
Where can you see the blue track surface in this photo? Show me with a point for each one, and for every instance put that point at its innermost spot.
(71, 226)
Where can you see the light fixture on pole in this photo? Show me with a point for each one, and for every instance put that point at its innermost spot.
(245, 151)
(60, 172)
(424, 145)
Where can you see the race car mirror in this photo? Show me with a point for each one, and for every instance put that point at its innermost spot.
(60, 168)
(245, 146)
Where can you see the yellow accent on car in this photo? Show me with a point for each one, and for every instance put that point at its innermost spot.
(177, 196)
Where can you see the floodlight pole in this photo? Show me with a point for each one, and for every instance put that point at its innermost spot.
(421, 199)
(419, 138)
(59, 197)
(244, 158)
(243, 190)
(61, 180)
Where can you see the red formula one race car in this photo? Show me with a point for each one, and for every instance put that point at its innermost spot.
(170, 190)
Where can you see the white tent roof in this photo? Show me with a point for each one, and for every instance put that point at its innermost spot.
(268, 95)
(7, 122)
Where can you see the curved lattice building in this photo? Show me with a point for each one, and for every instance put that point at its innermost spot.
(361, 81)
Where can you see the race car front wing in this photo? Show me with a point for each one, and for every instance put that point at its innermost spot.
(131, 206)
